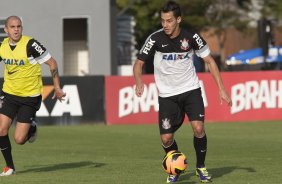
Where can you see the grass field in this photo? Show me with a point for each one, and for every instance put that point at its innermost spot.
(243, 153)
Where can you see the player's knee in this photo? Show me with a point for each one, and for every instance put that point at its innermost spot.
(199, 131)
(167, 140)
(20, 140)
(167, 143)
(3, 131)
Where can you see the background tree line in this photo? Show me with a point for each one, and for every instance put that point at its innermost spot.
(201, 15)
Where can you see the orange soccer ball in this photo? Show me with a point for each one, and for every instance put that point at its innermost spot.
(175, 162)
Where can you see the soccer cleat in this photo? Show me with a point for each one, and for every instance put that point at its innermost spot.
(172, 178)
(32, 135)
(203, 174)
(7, 171)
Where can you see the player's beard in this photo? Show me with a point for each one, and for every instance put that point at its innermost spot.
(172, 32)
(15, 38)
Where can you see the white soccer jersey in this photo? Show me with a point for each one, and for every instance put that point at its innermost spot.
(174, 70)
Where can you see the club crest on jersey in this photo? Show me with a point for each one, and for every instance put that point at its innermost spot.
(184, 44)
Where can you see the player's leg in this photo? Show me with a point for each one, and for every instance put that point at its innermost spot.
(194, 107)
(200, 142)
(24, 128)
(168, 142)
(170, 119)
(200, 146)
(7, 111)
(21, 131)
(32, 132)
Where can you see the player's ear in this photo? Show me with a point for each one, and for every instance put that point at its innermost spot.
(5, 29)
(178, 19)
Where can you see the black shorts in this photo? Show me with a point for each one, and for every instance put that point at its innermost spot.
(22, 108)
(172, 110)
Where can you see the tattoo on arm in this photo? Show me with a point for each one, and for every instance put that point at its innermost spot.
(55, 73)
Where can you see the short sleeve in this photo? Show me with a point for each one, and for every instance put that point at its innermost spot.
(36, 52)
(148, 49)
(200, 46)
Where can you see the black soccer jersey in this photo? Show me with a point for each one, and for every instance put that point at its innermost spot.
(174, 70)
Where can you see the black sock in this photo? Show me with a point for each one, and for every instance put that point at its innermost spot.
(200, 145)
(6, 149)
(171, 147)
(31, 131)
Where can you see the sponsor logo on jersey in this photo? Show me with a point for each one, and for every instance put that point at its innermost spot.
(13, 61)
(174, 57)
(198, 40)
(38, 48)
(184, 44)
(148, 46)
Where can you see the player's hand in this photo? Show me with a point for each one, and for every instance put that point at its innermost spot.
(59, 94)
(139, 89)
(224, 96)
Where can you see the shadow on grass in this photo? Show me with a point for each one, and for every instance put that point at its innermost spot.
(215, 172)
(63, 166)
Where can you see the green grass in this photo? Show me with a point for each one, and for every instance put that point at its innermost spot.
(243, 153)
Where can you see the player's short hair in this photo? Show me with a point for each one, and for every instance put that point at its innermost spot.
(11, 17)
(171, 6)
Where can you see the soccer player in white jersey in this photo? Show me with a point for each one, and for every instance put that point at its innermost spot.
(179, 89)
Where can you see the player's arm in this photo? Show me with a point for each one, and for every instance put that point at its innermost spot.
(137, 71)
(0, 53)
(145, 52)
(37, 53)
(202, 50)
(216, 75)
(59, 94)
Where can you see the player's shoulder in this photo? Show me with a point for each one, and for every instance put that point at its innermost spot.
(196, 40)
(35, 48)
(189, 34)
(34, 43)
(4, 41)
(32, 40)
(157, 35)
(27, 37)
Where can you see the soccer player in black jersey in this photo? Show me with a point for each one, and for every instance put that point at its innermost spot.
(179, 89)
(22, 57)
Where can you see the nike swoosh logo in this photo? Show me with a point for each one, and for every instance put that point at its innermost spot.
(164, 45)
(10, 73)
(201, 115)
